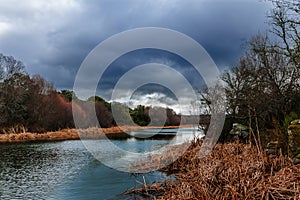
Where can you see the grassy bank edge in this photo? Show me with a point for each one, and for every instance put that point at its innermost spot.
(117, 132)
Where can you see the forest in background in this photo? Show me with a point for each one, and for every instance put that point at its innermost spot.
(33, 104)
(262, 91)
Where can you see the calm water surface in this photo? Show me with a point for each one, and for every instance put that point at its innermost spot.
(66, 170)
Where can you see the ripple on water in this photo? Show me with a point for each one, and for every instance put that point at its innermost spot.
(33, 171)
(66, 170)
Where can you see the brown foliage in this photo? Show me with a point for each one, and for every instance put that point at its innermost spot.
(50, 112)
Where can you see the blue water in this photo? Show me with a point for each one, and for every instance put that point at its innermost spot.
(67, 170)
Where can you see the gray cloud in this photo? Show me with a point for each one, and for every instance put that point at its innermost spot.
(53, 37)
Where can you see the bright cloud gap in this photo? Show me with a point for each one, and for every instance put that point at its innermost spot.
(157, 99)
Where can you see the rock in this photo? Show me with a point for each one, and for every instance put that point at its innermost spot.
(294, 139)
(272, 148)
(296, 161)
(239, 131)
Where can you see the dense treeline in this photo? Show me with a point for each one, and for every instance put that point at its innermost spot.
(32, 104)
(29, 103)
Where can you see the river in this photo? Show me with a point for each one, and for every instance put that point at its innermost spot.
(66, 170)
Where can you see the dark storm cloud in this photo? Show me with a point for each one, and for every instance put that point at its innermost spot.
(135, 58)
(53, 37)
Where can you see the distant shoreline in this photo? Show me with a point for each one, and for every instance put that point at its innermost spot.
(115, 133)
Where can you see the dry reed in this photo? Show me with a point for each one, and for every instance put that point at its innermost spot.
(230, 171)
(115, 133)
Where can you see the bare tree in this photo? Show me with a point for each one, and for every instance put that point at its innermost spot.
(10, 66)
(14, 93)
(213, 100)
(285, 20)
(263, 81)
(263, 86)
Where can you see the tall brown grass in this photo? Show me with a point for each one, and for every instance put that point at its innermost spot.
(230, 171)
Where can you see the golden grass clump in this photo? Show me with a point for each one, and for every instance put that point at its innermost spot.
(19, 134)
(230, 171)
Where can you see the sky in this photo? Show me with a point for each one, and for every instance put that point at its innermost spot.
(53, 37)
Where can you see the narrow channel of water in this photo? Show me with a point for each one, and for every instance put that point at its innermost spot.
(66, 170)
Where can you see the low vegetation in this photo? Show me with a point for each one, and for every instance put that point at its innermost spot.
(230, 171)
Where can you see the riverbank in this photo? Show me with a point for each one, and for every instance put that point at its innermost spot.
(230, 171)
(117, 133)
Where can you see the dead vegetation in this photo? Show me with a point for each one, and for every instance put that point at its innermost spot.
(230, 171)
(66, 134)
(114, 133)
